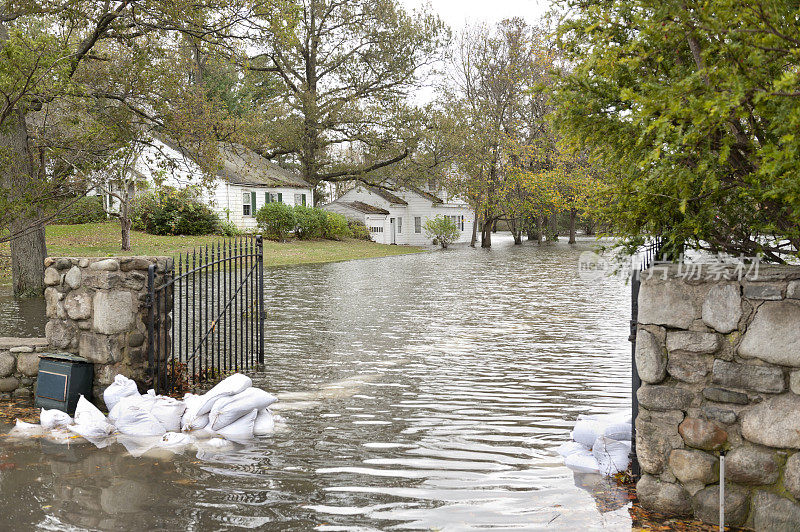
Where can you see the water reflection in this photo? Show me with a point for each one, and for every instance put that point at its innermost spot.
(420, 392)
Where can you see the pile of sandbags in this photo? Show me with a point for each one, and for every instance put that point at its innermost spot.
(600, 444)
(233, 410)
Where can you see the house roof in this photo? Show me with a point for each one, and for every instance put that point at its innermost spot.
(242, 166)
(427, 195)
(360, 206)
(388, 196)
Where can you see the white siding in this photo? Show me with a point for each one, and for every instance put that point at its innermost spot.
(418, 206)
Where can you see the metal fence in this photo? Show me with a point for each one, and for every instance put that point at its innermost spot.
(649, 255)
(207, 318)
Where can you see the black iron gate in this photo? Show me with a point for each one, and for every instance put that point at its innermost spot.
(207, 316)
(649, 256)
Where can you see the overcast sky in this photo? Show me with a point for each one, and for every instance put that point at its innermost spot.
(456, 12)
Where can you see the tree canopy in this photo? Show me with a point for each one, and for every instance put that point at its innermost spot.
(694, 108)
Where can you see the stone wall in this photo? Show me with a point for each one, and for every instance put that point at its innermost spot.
(19, 365)
(719, 360)
(97, 309)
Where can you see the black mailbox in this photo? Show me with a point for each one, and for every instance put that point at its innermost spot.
(62, 379)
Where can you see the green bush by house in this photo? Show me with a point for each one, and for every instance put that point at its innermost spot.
(359, 230)
(442, 229)
(276, 220)
(173, 212)
(336, 227)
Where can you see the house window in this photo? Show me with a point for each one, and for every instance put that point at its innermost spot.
(377, 229)
(399, 224)
(300, 199)
(458, 220)
(246, 206)
(417, 224)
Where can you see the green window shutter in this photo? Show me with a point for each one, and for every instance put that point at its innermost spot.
(304, 200)
(266, 198)
(253, 199)
(280, 197)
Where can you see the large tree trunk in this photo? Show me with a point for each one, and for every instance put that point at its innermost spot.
(573, 214)
(18, 175)
(474, 230)
(486, 233)
(516, 231)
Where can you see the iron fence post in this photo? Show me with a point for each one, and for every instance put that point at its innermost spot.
(636, 381)
(260, 284)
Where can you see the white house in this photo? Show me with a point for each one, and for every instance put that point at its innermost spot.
(243, 182)
(398, 217)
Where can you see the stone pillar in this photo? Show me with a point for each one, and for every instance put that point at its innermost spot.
(719, 358)
(97, 309)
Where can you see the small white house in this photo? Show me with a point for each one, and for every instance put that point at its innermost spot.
(243, 183)
(398, 217)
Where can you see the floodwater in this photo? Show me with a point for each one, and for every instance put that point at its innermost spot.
(420, 392)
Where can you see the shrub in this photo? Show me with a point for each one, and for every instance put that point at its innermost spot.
(308, 222)
(86, 210)
(228, 228)
(173, 212)
(336, 227)
(442, 229)
(276, 220)
(359, 230)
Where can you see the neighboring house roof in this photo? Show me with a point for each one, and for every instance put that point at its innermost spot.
(360, 206)
(427, 195)
(239, 165)
(388, 196)
(243, 166)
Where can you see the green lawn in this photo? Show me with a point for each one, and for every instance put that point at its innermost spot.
(102, 240)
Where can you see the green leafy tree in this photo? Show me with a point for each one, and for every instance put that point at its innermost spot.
(442, 229)
(276, 219)
(693, 107)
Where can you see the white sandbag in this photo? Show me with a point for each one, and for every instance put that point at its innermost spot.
(88, 414)
(26, 430)
(193, 403)
(121, 387)
(141, 401)
(618, 431)
(199, 423)
(582, 462)
(136, 421)
(241, 429)
(175, 442)
(51, 419)
(226, 411)
(264, 424)
(138, 445)
(235, 384)
(612, 456)
(168, 411)
(571, 447)
(92, 431)
(589, 428)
